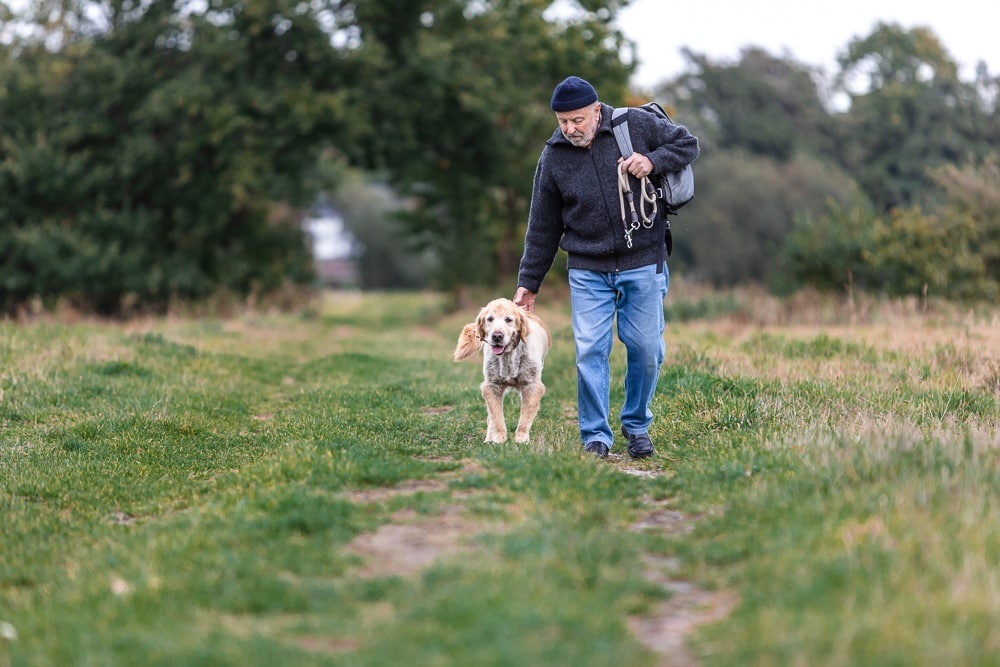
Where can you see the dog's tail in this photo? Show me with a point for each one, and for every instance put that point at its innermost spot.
(468, 342)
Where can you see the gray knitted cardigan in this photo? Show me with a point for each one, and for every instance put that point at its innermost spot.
(574, 200)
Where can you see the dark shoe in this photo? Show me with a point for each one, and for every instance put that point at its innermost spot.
(639, 445)
(597, 448)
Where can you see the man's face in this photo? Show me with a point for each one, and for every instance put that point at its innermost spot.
(580, 125)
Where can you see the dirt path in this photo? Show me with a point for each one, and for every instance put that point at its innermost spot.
(412, 542)
(666, 629)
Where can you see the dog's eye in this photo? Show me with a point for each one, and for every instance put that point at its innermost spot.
(508, 320)
(489, 319)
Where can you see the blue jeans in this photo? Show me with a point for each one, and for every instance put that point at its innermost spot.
(636, 296)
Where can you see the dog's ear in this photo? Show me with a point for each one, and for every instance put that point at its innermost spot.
(468, 342)
(481, 323)
(520, 322)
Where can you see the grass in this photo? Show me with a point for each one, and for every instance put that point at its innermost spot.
(194, 491)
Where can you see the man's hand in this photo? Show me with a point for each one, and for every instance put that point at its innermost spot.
(636, 164)
(525, 299)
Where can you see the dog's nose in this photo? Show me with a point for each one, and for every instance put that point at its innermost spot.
(497, 336)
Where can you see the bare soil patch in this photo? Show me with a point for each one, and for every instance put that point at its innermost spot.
(411, 543)
(668, 625)
(667, 628)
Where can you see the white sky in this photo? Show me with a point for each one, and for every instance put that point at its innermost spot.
(810, 31)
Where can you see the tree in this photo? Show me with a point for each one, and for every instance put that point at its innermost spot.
(183, 122)
(909, 111)
(973, 191)
(762, 104)
(745, 207)
(828, 250)
(773, 154)
(910, 253)
(458, 99)
(915, 253)
(140, 159)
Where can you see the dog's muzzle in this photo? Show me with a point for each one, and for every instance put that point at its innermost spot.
(496, 341)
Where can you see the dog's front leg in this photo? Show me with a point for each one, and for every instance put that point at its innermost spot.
(531, 398)
(496, 428)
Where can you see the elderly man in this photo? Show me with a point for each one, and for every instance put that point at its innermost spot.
(615, 269)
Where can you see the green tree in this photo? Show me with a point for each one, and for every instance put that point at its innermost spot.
(910, 253)
(973, 191)
(827, 251)
(915, 253)
(773, 152)
(745, 207)
(183, 122)
(458, 97)
(140, 159)
(762, 105)
(766, 137)
(909, 111)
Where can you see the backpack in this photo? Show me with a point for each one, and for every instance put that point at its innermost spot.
(674, 188)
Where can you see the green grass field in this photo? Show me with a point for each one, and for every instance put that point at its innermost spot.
(312, 489)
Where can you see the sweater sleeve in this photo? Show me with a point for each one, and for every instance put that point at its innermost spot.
(669, 147)
(545, 229)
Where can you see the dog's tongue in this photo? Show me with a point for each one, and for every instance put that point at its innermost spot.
(498, 349)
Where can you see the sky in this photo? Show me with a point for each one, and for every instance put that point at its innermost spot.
(811, 32)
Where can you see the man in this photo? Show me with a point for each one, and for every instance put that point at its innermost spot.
(615, 268)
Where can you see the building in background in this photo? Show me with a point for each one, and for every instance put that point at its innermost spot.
(332, 245)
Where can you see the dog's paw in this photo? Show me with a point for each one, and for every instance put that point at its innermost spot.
(522, 438)
(496, 438)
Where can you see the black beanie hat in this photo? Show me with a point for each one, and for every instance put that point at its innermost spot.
(573, 93)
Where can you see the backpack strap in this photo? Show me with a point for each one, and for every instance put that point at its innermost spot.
(619, 125)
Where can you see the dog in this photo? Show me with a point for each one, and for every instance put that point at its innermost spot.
(514, 344)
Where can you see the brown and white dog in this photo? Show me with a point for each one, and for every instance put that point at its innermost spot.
(514, 343)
